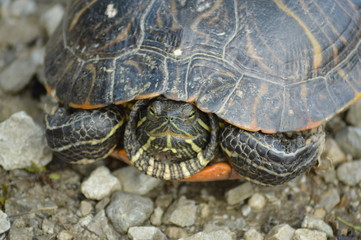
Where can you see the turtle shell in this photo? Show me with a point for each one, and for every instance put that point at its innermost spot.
(259, 65)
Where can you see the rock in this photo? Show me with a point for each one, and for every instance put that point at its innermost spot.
(354, 114)
(329, 199)
(176, 232)
(307, 234)
(349, 139)
(48, 226)
(349, 173)
(215, 235)
(333, 152)
(280, 232)
(22, 143)
(51, 18)
(100, 184)
(18, 74)
(156, 218)
(238, 194)
(134, 181)
(18, 8)
(253, 234)
(128, 210)
(85, 208)
(4, 222)
(100, 226)
(313, 223)
(182, 213)
(146, 233)
(257, 201)
(19, 31)
(64, 235)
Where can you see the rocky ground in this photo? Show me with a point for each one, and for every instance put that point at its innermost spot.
(108, 200)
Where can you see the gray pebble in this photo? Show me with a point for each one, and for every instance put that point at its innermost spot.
(253, 234)
(18, 74)
(238, 194)
(329, 199)
(85, 208)
(156, 218)
(215, 235)
(4, 222)
(257, 201)
(134, 181)
(127, 210)
(349, 173)
(349, 139)
(22, 143)
(307, 234)
(146, 233)
(314, 223)
(354, 114)
(280, 232)
(182, 213)
(51, 18)
(18, 8)
(64, 235)
(176, 232)
(333, 152)
(100, 226)
(100, 184)
(19, 31)
(48, 226)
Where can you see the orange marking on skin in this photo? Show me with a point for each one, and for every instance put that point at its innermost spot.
(121, 155)
(215, 172)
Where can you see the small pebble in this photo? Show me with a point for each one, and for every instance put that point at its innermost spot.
(329, 199)
(146, 233)
(100, 184)
(307, 234)
(354, 114)
(314, 223)
(51, 19)
(4, 222)
(253, 234)
(134, 181)
(238, 194)
(85, 208)
(156, 218)
(280, 232)
(333, 152)
(176, 232)
(246, 209)
(349, 139)
(257, 201)
(349, 173)
(22, 143)
(48, 226)
(215, 235)
(101, 227)
(182, 213)
(64, 235)
(128, 210)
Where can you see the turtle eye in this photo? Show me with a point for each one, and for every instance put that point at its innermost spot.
(192, 115)
(151, 111)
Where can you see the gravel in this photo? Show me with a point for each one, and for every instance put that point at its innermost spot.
(55, 205)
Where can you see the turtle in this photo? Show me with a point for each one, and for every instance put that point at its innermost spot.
(202, 90)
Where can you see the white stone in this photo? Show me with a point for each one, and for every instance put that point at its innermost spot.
(146, 233)
(257, 201)
(253, 234)
(307, 234)
(22, 143)
(280, 232)
(100, 184)
(4, 222)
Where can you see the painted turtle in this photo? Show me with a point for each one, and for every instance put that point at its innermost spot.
(177, 83)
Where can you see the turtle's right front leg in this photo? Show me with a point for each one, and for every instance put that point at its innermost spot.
(84, 136)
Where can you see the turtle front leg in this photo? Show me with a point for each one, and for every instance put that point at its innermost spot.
(272, 159)
(84, 136)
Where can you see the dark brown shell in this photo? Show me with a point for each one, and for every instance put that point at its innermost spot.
(269, 65)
